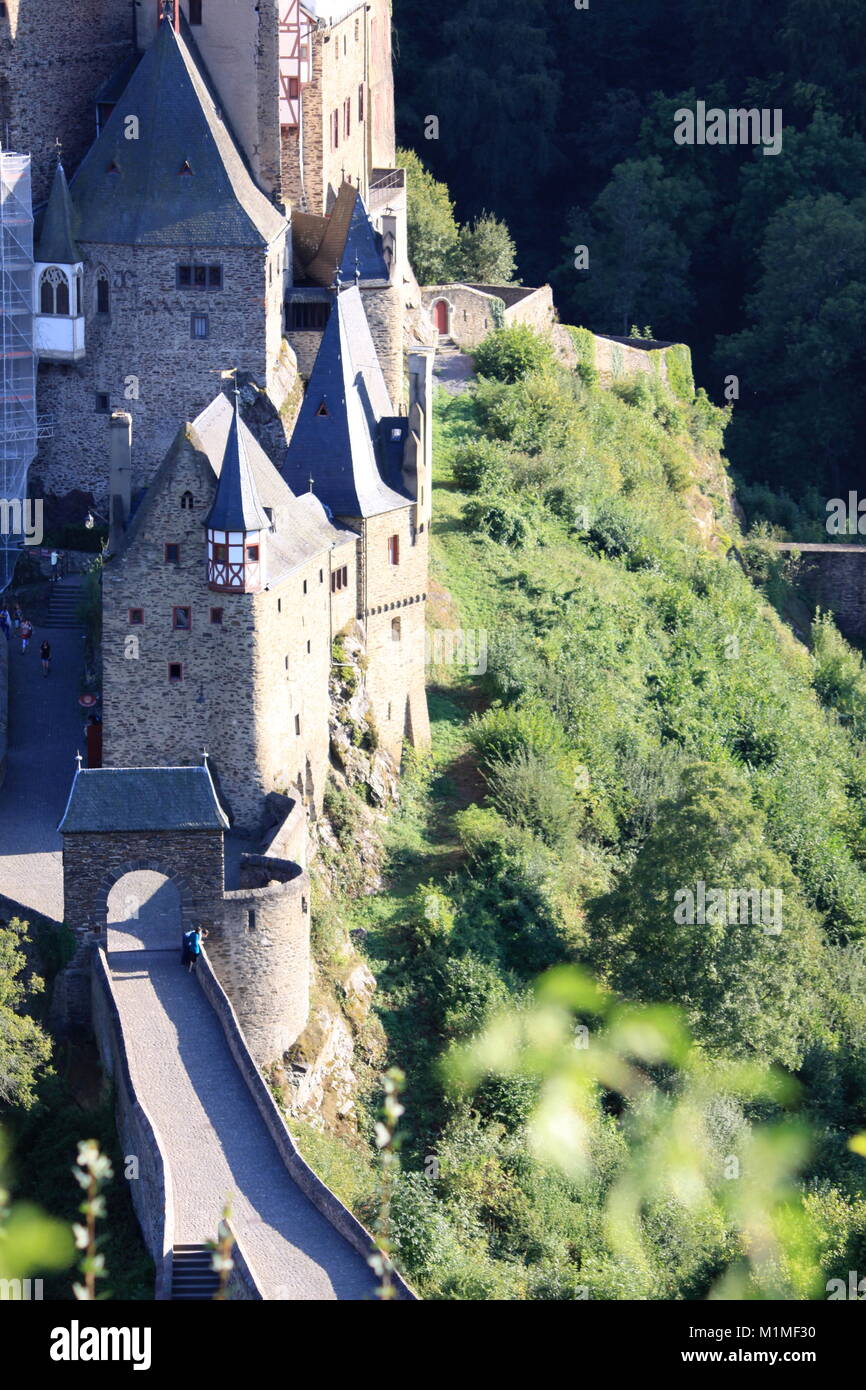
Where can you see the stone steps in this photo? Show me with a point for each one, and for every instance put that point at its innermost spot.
(193, 1278)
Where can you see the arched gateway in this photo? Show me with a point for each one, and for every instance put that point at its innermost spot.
(119, 821)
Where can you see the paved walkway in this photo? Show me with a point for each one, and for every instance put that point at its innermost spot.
(216, 1140)
(453, 370)
(46, 728)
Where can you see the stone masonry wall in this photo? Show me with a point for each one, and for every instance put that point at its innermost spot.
(384, 309)
(833, 578)
(245, 680)
(93, 863)
(53, 58)
(259, 946)
(395, 677)
(143, 357)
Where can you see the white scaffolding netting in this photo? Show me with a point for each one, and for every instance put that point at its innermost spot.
(18, 426)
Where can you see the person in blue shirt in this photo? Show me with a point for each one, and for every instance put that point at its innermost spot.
(192, 944)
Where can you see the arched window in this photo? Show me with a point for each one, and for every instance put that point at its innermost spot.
(186, 502)
(395, 630)
(53, 292)
(103, 293)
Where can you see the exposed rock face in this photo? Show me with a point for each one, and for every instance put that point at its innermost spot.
(354, 739)
(319, 1079)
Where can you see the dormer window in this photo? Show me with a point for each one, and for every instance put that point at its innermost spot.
(53, 292)
(112, 168)
(185, 168)
(323, 409)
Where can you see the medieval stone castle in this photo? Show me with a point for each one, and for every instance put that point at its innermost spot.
(237, 366)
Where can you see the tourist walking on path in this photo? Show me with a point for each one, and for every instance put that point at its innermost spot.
(192, 944)
(26, 630)
(6, 623)
(17, 617)
(45, 654)
(55, 566)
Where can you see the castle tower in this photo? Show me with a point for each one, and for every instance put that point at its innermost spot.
(237, 526)
(184, 266)
(59, 276)
(351, 446)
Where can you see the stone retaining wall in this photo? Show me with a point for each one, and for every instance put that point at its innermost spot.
(299, 1171)
(833, 578)
(151, 1191)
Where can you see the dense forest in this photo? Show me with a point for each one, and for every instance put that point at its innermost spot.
(560, 121)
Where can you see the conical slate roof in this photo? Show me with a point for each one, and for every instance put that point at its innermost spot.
(56, 244)
(236, 506)
(181, 181)
(339, 440)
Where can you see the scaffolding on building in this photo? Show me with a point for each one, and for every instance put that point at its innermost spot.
(18, 421)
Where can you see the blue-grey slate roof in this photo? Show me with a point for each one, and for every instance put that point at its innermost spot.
(142, 798)
(236, 505)
(342, 437)
(135, 191)
(362, 257)
(56, 245)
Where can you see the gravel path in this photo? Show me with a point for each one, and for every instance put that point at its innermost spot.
(216, 1140)
(46, 729)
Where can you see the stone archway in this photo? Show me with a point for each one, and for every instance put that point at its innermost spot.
(135, 868)
(144, 912)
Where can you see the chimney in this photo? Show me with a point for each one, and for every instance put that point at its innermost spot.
(120, 474)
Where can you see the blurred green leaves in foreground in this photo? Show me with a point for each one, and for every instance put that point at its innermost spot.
(30, 1241)
(714, 1142)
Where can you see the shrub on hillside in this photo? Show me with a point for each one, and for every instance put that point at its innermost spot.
(510, 354)
(500, 734)
(541, 414)
(481, 465)
(615, 532)
(530, 791)
(502, 521)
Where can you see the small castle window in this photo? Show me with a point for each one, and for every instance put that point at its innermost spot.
(321, 576)
(53, 292)
(136, 617)
(216, 617)
(192, 276)
(394, 550)
(253, 553)
(103, 403)
(195, 9)
(395, 630)
(199, 326)
(103, 294)
(181, 619)
(172, 554)
(287, 663)
(297, 723)
(279, 605)
(305, 586)
(308, 648)
(175, 672)
(251, 920)
(361, 102)
(186, 502)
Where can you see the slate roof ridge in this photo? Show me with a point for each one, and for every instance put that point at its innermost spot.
(122, 802)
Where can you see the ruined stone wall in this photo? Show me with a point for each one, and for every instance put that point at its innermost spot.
(53, 58)
(143, 357)
(396, 594)
(259, 946)
(93, 863)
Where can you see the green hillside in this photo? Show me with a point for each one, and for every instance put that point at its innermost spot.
(647, 723)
